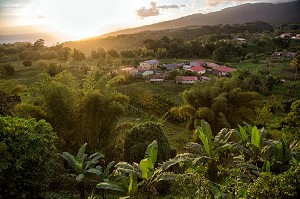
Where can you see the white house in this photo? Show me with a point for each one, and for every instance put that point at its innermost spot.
(156, 79)
(147, 72)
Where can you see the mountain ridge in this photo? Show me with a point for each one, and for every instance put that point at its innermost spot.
(231, 15)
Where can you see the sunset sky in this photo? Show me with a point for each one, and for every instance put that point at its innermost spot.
(77, 19)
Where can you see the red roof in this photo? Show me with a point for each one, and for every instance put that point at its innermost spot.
(197, 68)
(187, 78)
(225, 69)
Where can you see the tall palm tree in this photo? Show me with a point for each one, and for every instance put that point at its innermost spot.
(295, 63)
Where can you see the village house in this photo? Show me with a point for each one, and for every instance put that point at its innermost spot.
(223, 70)
(170, 66)
(204, 79)
(186, 67)
(278, 53)
(291, 54)
(212, 65)
(130, 71)
(239, 40)
(147, 72)
(297, 37)
(285, 35)
(198, 63)
(156, 79)
(198, 69)
(153, 64)
(186, 79)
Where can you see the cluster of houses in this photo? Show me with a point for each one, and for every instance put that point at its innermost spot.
(290, 36)
(149, 69)
(284, 54)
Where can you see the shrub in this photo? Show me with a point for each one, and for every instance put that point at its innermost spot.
(27, 63)
(53, 69)
(26, 151)
(140, 137)
(8, 69)
(285, 185)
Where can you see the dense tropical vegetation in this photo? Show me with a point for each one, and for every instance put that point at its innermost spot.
(231, 137)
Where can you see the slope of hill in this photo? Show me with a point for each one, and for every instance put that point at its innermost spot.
(275, 14)
(184, 27)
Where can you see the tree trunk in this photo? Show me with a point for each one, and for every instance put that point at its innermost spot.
(82, 191)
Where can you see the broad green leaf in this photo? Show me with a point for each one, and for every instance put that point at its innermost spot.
(206, 129)
(151, 151)
(81, 152)
(255, 137)
(170, 163)
(279, 154)
(147, 167)
(243, 133)
(206, 144)
(246, 165)
(93, 161)
(284, 138)
(124, 165)
(221, 149)
(116, 186)
(129, 171)
(95, 171)
(71, 160)
(108, 167)
(266, 166)
(165, 176)
(132, 184)
(294, 160)
(80, 177)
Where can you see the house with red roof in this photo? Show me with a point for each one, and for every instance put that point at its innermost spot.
(223, 70)
(198, 69)
(186, 79)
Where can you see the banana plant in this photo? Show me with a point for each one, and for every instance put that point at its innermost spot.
(139, 177)
(214, 151)
(83, 164)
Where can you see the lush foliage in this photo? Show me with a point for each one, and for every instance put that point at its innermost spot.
(140, 136)
(27, 153)
(220, 102)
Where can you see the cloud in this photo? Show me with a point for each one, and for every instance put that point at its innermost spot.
(173, 6)
(204, 10)
(155, 10)
(148, 12)
(41, 17)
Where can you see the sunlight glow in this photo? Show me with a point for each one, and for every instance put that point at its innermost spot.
(78, 19)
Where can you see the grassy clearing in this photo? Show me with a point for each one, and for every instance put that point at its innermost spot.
(166, 89)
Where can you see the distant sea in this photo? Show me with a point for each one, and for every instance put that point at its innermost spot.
(49, 39)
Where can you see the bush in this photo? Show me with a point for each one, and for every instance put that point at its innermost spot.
(26, 151)
(53, 69)
(285, 185)
(8, 69)
(140, 137)
(27, 63)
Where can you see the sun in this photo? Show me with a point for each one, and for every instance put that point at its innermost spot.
(79, 19)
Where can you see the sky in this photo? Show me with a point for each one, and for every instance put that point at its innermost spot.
(78, 19)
